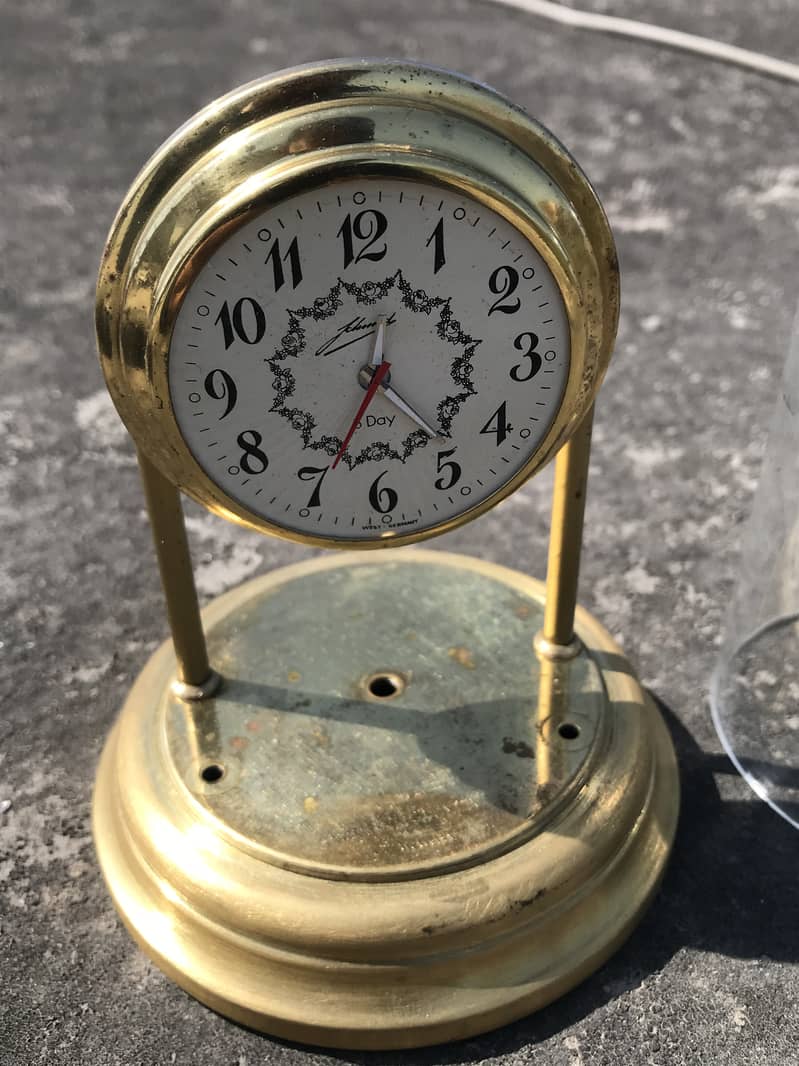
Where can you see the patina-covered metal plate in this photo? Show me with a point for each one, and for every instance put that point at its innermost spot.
(380, 720)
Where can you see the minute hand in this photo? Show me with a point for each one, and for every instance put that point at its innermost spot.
(394, 397)
(398, 401)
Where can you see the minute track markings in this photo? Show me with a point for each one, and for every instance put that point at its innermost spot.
(399, 245)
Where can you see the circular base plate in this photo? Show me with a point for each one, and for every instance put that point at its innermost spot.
(391, 825)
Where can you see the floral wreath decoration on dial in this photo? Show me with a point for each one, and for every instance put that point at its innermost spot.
(369, 293)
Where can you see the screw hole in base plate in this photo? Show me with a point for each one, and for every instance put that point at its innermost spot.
(385, 685)
(212, 773)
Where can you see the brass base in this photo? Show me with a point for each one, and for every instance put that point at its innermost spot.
(392, 825)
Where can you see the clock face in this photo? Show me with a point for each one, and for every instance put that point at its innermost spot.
(370, 359)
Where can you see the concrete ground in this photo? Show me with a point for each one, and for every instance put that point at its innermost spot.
(697, 166)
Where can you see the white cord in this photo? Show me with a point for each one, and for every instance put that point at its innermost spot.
(644, 31)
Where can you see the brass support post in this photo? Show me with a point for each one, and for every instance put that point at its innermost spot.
(553, 704)
(556, 643)
(556, 639)
(196, 679)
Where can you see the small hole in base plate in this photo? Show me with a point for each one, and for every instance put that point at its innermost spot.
(569, 731)
(383, 686)
(212, 773)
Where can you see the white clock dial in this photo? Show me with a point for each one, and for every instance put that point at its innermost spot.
(285, 328)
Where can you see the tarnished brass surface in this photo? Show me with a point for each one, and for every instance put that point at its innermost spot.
(346, 870)
(303, 128)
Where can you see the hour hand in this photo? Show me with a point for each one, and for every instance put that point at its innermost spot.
(377, 350)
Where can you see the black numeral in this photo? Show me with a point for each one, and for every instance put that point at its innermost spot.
(293, 257)
(308, 473)
(382, 499)
(530, 342)
(367, 226)
(437, 236)
(220, 386)
(249, 328)
(503, 283)
(453, 470)
(498, 424)
(253, 460)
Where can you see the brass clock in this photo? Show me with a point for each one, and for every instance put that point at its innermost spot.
(371, 801)
(238, 315)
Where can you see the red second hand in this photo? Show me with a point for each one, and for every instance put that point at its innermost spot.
(374, 385)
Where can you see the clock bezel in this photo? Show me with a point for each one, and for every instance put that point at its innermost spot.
(158, 245)
(187, 471)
